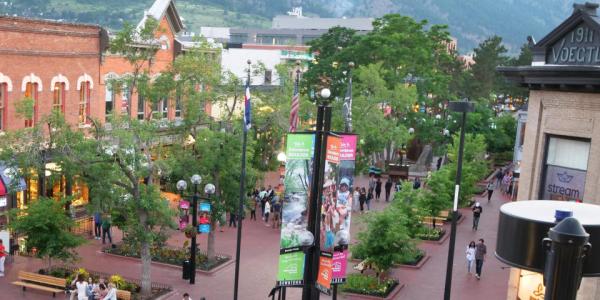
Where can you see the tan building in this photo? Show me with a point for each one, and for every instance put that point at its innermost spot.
(560, 158)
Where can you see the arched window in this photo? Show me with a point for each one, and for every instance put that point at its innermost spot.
(84, 102)
(31, 92)
(58, 100)
(3, 103)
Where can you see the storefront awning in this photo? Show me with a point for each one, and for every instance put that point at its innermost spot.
(8, 180)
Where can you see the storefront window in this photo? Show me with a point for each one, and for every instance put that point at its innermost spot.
(565, 169)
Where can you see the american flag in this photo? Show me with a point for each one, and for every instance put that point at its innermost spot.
(247, 107)
(295, 108)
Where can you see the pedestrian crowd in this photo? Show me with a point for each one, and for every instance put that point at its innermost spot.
(81, 289)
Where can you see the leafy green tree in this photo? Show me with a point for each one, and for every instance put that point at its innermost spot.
(47, 228)
(485, 81)
(385, 241)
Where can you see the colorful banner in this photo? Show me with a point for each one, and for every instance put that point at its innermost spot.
(344, 206)
(300, 151)
(184, 214)
(325, 273)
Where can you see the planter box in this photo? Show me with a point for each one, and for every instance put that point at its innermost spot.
(441, 240)
(198, 271)
(390, 296)
(419, 264)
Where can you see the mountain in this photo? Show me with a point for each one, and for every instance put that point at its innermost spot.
(470, 21)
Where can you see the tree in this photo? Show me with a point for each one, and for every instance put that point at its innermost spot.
(47, 228)
(385, 241)
(485, 81)
(123, 162)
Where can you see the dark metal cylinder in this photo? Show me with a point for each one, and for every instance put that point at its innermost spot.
(568, 246)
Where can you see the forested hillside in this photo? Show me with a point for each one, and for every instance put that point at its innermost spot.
(471, 21)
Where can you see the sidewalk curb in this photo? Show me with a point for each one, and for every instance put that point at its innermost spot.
(198, 271)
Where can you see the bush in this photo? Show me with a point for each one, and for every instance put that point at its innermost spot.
(430, 234)
(386, 241)
(368, 285)
(172, 256)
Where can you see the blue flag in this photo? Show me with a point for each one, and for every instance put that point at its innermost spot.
(247, 108)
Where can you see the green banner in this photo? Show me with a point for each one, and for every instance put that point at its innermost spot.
(291, 268)
(300, 150)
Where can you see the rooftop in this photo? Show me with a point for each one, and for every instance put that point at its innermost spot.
(300, 22)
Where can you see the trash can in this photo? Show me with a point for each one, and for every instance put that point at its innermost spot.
(186, 266)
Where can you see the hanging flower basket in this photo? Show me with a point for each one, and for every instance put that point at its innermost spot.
(190, 231)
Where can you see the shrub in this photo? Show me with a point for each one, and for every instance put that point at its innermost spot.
(368, 285)
(386, 241)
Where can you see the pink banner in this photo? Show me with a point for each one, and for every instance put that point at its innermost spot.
(339, 265)
(348, 151)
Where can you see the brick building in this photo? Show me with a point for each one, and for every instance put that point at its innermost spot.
(56, 64)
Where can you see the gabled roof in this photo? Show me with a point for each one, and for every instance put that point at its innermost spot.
(158, 11)
(569, 24)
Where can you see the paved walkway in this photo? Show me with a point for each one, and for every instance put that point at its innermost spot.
(259, 265)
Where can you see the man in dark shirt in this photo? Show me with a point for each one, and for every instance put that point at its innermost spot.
(480, 252)
(477, 210)
(388, 189)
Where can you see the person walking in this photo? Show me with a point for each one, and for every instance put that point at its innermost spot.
(267, 212)
(477, 210)
(253, 205)
(355, 199)
(106, 229)
(490, 190)
(262, 197)
(2, 257)
(480, 252)
(506, 182)
(471, 248)
(388, 189)
(276, 213)
(232, 219)
(371, 184)
(97, 225)
(186, 296)
(369, 198)
(499, 176)
(378, 189)
(362, 199)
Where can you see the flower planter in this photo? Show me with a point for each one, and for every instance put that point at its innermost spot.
(419, 263)
(439, 241)
(391, 295)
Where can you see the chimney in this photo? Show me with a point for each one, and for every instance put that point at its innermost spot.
(588, 8)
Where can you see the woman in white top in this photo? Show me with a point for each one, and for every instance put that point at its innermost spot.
(82, 287)
(112, 292)
(470, 255)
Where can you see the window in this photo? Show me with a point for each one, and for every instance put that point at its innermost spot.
(59, 97)
(160, 108)
(565, 168)
(109, 101)
(84, 102)
(3, 102)
(141, 107)
(238, 38)
(268, 76)
(31, 92)
(178, 104)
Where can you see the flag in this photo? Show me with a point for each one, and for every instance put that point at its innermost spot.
(347, 108)
(247, 107)
(295, 108)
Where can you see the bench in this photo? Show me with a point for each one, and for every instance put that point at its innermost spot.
(123, 295)
(432, 221)
(41, 282)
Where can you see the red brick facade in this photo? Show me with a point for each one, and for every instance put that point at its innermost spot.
(48, 54)
(59, 59)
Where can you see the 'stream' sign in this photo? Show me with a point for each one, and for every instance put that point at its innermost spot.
(578, 47)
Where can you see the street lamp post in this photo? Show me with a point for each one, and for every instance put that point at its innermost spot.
(462, 107)
(181, 186)
(309, 291)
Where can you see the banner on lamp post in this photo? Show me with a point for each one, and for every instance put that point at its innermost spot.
(345, 203)
(300, 149)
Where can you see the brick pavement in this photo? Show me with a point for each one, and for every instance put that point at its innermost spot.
(259, 265)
